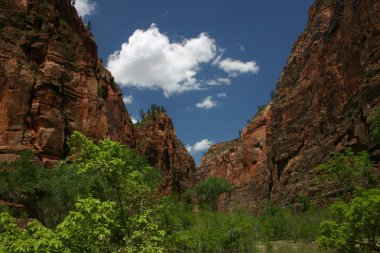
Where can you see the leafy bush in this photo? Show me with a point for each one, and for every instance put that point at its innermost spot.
(87, 229)
(348, 170)
(193, 229)
(21, 182)
(273, 221)
(356, 227)
(90, 228)
(206, 231)
(210, 189)
(119, 207)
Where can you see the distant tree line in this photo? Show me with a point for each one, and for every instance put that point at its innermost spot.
(153, 111)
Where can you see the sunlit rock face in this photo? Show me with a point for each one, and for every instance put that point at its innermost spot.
(157, 140)
(52, 83)
(326, 93)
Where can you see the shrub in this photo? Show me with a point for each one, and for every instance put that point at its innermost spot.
(356, 227)
(348, 170)
(118, 210)
(210, 189)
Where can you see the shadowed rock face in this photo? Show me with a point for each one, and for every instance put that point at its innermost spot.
(52, 83)
(324, 98)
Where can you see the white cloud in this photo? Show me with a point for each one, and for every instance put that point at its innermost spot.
(222, 95)
(237, 67)
(150, 60)
(207, 103)
(133, 119)
(199, 146)
(85, 7)
(128, 99)
(219, 81)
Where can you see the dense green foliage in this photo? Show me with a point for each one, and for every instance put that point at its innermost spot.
(193, 229)
(348, 170)
(356, 227)
(103, 198)
(209, 190)
(375, 122)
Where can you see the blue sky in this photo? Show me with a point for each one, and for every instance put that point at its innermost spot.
(210, 63)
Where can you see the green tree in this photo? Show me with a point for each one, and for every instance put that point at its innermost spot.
(89, 228)
(273, 221)
(128, 179)
(147, 236)
(347, 170)
(86, 229)
(142, 115)
(210, 189)
(356, 227)
(20, 182)
(118, 189)
(35, 238)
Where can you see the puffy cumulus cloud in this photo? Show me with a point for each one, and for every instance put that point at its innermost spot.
(199, 146)
(219, 81)
(237, 67)
(221, 95)
(150, 60)
(207, 103)
(128, 99)
(85, 7)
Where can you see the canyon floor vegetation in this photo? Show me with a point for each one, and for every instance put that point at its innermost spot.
(104, 198)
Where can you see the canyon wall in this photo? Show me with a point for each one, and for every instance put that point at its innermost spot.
(52, 83)
(324, 98)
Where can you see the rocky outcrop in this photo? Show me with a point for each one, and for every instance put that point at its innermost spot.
(52, 83)
(243, 162)
(155, 137)
(324, 98)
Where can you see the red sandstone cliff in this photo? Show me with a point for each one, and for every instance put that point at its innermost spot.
(52, 83)
(243, 162)
(324, 98)
(156, 138)
(326, 93)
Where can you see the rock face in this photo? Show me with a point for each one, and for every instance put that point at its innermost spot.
(326, 93)
(324, 98)
(243, 162)
(156, 138)
(52, 83)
